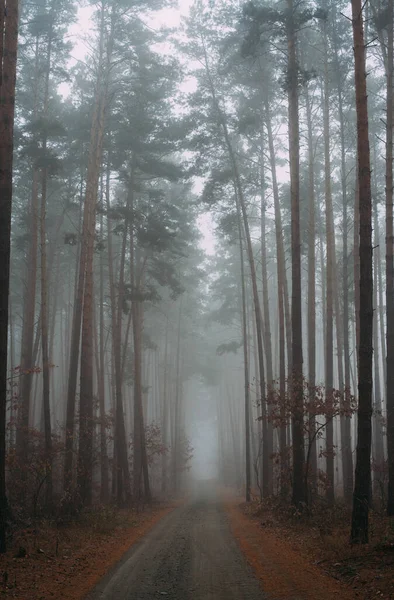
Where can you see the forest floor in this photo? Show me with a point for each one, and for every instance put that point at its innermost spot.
(65, 563)
(312, 556)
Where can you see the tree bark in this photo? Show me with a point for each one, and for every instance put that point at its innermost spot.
(267, 332)
(104, 479)
(359, 530)
(296, 310)
(9, 45)
(282, 301)
(311, 297)
(121, 481)
(390, 264)
(330, 245)
(246, 358)
(346, 436)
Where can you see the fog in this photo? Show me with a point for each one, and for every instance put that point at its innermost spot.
(194, 292)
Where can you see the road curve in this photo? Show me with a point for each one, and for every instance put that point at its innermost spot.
(189, 555)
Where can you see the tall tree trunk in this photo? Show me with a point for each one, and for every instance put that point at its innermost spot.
(311, 298)
(282, 301)
(104, 479)
(27, 362)
(8, 45)
(378, 434)
(44, 290)
(140, 466)
(280, 249)
(85, 447)
(356, 261)
(176, 448)
(165, 412)
(29, 298)
(390, 262)
(267, 331)
(359, 531)
(251, 260)
(44, 342)
(246, 360)
(330, 244)
(121, 482)
(346, 437)
(296, 311)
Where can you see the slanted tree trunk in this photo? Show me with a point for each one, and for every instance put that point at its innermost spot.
(8, 46)
(267, 330)
(359, 530)
(249, 248)
(246, 359)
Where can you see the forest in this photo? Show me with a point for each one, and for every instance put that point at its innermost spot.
(196, 255)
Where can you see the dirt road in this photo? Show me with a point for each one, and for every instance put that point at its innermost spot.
(190, 555)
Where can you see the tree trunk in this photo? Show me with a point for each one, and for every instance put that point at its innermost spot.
(29, 298)
(282, 300)
(176, 466)
(251, 260)
(378, 433)
(140, 466)
(121, 482)
(104, 479)
(390, 264)
(44, 291)
(296, 311)
(312, 476)
(267, 331)
(359, 531)
(44, 344)
(330, 245)
(165, 412)
(346, 436)
(8, 45)
(29, 303)
(85, 448)
(246, 360)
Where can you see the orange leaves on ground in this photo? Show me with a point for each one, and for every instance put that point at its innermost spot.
(66, 564)
(284, 573)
